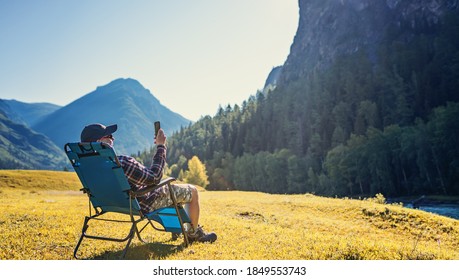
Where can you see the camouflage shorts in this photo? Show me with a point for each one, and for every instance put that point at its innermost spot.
(182, 193)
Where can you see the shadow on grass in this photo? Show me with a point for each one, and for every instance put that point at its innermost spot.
(148, 251)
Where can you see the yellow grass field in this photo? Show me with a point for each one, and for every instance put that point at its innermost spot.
(41, 214)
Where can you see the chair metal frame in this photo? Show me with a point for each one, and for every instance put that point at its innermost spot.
(135, 215)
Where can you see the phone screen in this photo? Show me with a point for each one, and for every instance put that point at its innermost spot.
(157, 127)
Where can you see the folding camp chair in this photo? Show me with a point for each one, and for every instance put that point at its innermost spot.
(108, 190)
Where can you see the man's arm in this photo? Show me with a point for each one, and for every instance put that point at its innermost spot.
(139, 175)
(159, 161)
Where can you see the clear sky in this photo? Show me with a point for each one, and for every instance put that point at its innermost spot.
(193, 55)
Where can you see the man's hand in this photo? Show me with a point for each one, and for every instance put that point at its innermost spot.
(160, 138)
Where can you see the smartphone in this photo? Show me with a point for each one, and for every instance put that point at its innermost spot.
(157, 127)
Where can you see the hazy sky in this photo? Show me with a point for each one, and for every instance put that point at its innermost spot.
(193, 55)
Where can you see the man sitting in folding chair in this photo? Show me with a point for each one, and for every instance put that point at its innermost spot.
(140, 177)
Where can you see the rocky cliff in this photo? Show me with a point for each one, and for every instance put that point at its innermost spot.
(328, 28)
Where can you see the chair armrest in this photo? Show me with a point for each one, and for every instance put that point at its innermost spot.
(151, 188)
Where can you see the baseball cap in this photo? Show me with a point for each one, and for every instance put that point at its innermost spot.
(94, 132)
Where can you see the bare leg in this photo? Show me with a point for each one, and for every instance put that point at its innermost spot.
(197, 234)
(194, 207)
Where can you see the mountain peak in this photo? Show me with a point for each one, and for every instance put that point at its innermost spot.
(123, 82)
(122, 101)
(123, 88)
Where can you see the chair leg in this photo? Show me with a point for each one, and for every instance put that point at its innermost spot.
(130, 236)
(174, 200)
(83, 232)
(138, 232)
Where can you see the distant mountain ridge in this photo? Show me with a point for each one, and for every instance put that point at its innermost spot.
(26, 113)
(124, 102)
(22, 148)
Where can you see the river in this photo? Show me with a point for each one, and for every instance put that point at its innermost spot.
(448, 210)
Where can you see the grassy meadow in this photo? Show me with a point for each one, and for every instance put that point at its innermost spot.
(41, 214)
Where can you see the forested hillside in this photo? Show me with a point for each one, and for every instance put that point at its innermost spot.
(23, 148)
(375, 118)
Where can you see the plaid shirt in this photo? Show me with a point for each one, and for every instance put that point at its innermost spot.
(140, 176)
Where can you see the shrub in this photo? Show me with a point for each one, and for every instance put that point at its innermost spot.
(379, 198)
